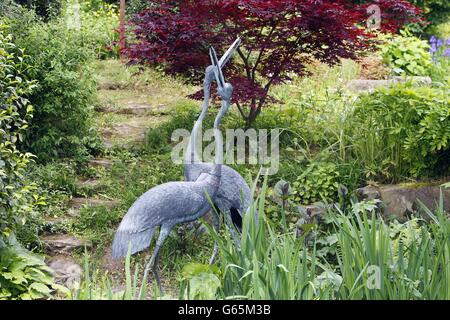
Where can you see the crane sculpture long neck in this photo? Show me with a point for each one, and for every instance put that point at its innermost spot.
(217, 168)
(191, 154)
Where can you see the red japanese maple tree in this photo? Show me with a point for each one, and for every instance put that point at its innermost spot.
(279, 39)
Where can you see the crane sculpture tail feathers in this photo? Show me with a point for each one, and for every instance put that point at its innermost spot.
(139, 241)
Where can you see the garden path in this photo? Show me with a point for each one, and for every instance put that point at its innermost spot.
(129, 104)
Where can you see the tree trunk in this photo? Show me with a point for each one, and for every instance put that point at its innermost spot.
(254, 112)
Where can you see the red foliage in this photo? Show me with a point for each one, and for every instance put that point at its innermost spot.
(279, 38)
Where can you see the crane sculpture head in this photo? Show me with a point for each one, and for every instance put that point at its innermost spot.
(210, 75)
(224, 89)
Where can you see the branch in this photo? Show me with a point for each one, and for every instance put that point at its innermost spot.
(262, 51)
(240, 110)
(246, 65)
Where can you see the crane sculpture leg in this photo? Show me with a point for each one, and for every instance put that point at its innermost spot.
(216, 226)
(153, 262)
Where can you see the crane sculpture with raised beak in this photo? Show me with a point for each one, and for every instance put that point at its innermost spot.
(172, 203)
(234, 196)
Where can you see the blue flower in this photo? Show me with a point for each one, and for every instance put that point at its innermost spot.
(439, 43)
(433, 48)
(446, 53)
(433, 39)
(447, 42)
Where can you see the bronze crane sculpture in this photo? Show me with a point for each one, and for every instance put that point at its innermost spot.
(233, 196)
(172, 203)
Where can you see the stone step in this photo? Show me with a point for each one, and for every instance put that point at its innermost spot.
(54, 225)
(124, 133)
(89, 183)
(138, 109)
(89, 187)
(63, 243)
(75, 204)
(361, 85)
(101, 163)
(65, 270)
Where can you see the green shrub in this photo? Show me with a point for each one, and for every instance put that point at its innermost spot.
(44, 8)
(16, 194)
(99, 24)
(136, 6)
(319, 180)
(403, 131)
(65, 95)
(406, 55)
(436, 11)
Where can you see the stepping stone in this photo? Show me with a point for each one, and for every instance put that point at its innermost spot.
(65, 270)
(63, 243)
(141, 109)
(125, 133)
(101, 163)
(130, 132)
(54, 225)
(371, 85)
(75, 204)
(90, 183)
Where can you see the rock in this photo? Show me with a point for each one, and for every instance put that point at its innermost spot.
(124, 133)
(416, 81)
(403, 199)
(101, 163)
(54, 225)
(141, 109)
(316, 209)
(127, 131)
(65, 270)
(370, 85)
(75, 204)
(111, 86)
(63, 243)
(89, 183)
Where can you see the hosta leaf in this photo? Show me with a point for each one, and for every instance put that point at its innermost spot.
(40, 287)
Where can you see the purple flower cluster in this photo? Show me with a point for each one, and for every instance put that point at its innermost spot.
(435, 46)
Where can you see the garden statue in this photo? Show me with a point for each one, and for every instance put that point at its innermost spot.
(233, 197)
(172, 203)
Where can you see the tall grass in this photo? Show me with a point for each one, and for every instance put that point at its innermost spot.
(99, 287)
(375, 260)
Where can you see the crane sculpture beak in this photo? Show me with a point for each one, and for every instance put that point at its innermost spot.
(217, 69)
(219, 64)
(229, 53)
